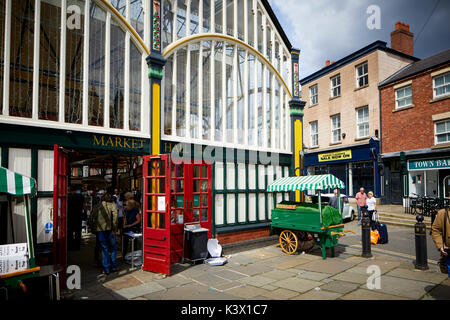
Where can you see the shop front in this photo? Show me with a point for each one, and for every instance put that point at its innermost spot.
(429, 177)
(356, 165)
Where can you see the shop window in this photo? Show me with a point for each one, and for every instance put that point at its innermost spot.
(117, 77)
(135, 88)
(442, 132)
(2, 49)
(336, 128)
(403, 97)
(167, 23)
(362, 122)
(361, 175)
(362, 75)
(441, 86)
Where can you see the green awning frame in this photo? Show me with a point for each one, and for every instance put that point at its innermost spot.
(319, 182)
(16, 184)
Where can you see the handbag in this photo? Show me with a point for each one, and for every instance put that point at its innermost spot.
(443, 260)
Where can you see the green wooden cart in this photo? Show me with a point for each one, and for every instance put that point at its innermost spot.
(302, 225)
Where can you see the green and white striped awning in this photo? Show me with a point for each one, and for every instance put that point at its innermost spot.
(320, 182)
(16, 184)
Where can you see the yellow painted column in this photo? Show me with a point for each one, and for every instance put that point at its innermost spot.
(298, 147)
(156, 115)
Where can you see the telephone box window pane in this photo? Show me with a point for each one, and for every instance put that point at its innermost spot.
(161, 220)
(196, 215)
(204, 216)
(150, 220)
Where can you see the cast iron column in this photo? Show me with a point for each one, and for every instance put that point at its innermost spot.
(296, 107)
(365, 234)
(156, 64)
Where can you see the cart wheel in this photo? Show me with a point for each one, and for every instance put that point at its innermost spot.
(288, 242)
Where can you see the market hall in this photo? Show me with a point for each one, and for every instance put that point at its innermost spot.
(108, 82)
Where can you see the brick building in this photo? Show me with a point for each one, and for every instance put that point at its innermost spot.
(342, 119)
(415, 130)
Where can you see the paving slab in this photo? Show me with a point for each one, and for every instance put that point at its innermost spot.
(316, 276)
(363, 294)
(141, 290)
(269, 287)
(228, 286)
(351, 277)
(281, 294)
(242, 259)
(252, 269)
(331, 266)
(192, 291)
(385, 265)
(122, 282)
(247, 292)
(261, 254)
(441, 292)
(342, 287)
(257, 281)
(425, 276)
(291, 263)
(210, 280)
(174, 281)
(318, 295)
(355, 259)
(229, 274)
(144, 276)
(277, 274)
(296, 284)
(404, 287)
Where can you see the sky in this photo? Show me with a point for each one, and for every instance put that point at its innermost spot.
(332, 29)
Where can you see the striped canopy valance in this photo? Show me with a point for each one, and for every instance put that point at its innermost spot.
(306, 183)
(16, 184)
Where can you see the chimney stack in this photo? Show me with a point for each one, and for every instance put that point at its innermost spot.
(327, 63)
(401, 39)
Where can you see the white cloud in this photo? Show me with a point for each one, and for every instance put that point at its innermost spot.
(323, 29)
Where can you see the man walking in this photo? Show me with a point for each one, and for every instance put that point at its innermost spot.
(361, 198)
(104, 220)
(441, 235)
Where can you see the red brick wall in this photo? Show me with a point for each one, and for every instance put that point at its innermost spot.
(411, 128)
(240, 236)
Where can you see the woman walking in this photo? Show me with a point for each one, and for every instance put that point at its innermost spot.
(371, 204)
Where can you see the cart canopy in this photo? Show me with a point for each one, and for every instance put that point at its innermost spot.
(319, 182)
(16, 184)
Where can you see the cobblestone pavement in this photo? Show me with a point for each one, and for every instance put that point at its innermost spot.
(264, 273)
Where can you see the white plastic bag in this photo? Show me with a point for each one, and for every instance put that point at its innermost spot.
(214, 248)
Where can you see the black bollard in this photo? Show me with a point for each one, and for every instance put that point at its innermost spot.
(421, 262)
(365, 235)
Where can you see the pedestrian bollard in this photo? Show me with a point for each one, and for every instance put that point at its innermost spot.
(421, 262)
(365, 236)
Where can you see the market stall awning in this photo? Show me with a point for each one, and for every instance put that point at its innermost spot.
(16, 184)
(320, 182)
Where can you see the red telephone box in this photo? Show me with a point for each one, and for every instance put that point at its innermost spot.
(174, 194)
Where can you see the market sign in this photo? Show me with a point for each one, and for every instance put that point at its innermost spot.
(335, 156)
(113, 142)
(429, 164)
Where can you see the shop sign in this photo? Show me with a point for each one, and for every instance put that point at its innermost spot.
(335, 156)
(123, 143)
(429, 164)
